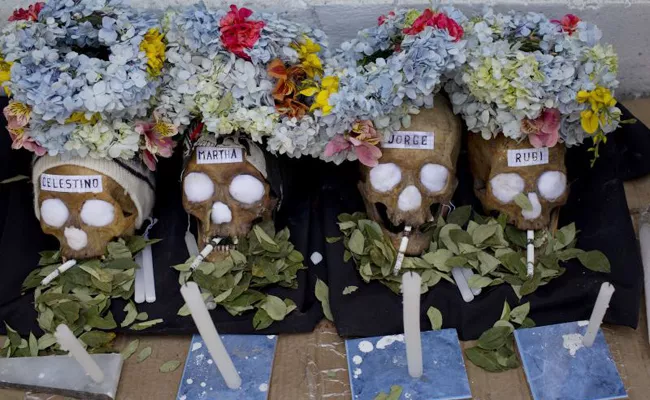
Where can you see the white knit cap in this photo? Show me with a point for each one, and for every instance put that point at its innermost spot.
(133, 176)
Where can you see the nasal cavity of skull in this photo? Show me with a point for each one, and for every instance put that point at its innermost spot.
(410, 199)
(246, 189)
(434, 177)
(97, 213)
(221, 213)
(198, 187)
(536, 209)
(506, 186)
(384, 177)
(54, 212)
(75, 237)
(551, 185)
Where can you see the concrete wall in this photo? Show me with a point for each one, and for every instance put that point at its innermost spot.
(625, 23)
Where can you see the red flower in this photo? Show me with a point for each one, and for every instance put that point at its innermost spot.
(383, 18)
(238, 34)
(436, 20)
(30, 14)
(569, 23)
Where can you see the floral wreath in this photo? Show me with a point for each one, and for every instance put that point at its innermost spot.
(239, 72)
(80, 73)
(526, 75)
(387, 73)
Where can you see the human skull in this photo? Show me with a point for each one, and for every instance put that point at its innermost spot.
(84, 223)
(225, 189)
(504, 168)
(415, 176)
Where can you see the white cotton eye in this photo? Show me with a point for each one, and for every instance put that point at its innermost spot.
(506, 186)
(221, 213)
(551, 185)
(54, 212)
(97, 213)
(246, 189)
(384, 177)
(434, 177)
(198, 187)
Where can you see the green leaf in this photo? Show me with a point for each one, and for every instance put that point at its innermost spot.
(146, 324)
(531, 284)
(98, 322)
(131, 314)
(460, 236)
(478, 281)
(567, 234)
(275, 307)
(333, 239)
(356, 242)
(516, 236)
(460, 215)
(349, 289)
(170, 366)
(143, 316)
(505, 313)
(519, 313)
(97, 338)
(144, 354)
(395, 394)
(456, 261)
(527, 323)
(483, 232)
(225, 104)
(506, 324)
(265, 240)
(323, 295)
(435, 317)
(513, 262)
(568, 254)
(485, 359)
(446, 239)
(522, 201)
(13, 336)
(33, 345)
(261, 320)
(16, 178)
(488, 262)
(595, 260)
(439, 259)
(46, 341)
(130, 349)
(494, 338)
(117, 250)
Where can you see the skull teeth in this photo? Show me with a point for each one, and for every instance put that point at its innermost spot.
(225, 248)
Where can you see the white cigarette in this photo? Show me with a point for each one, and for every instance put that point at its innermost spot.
(598, 313)
(402, 249)
(411, 283)
(61, 269)
(70, 343)
(530, 252)
(204, 253)
(209, 334)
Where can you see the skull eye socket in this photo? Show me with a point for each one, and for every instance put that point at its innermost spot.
(434, 177)
(506, 186)
(198, 187)
(54, 212)
(384, 177)
(246, 189)
(97, 213)
(551, 185)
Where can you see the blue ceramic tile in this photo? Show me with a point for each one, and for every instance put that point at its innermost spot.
(253, 358)
(377, 363)
(558, 367)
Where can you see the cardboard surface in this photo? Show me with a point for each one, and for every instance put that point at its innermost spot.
(313, 366)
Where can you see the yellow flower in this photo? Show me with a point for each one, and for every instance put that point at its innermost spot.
(5, 74)
(329, 85)
(307, 54)
(154, 46)
(600, 101)
(589, 121)
(80, 118)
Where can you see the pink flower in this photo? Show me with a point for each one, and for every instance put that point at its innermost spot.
(17, 114)
(30, 14)
(154, 144)
(363, 139)
(545, 130)
(382, 18)
(437, 20)
(569, 23)
(238, 34)
(21, 141)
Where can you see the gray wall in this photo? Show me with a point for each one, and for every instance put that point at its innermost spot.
(625, 24)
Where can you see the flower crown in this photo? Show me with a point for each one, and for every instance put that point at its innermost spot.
(387, 73)
(240, 72)
(80, 73)
(526, 75)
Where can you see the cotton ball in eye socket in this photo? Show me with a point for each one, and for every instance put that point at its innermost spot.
(54, 212)
(221, 214)
(76, 238)
(384, 177)
(506, 186)
(97, 213)
(246, 189)
(434, 177)
(198, 187)
(409, 199)
(551, 184)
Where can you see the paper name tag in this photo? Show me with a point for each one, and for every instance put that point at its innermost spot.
(71, 183)
(409, 140)
(219, 155)
(527, 157)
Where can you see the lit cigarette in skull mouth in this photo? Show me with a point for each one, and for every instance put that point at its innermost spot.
(209, 248)
(402, 249)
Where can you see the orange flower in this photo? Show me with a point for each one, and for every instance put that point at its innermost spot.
(292, 108)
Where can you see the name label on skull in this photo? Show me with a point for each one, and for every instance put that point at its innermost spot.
(527, 157)
(71, 183)
(410, 140)
(219, 155)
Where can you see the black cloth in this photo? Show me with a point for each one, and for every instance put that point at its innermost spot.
(21, 239)
(596, 204)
